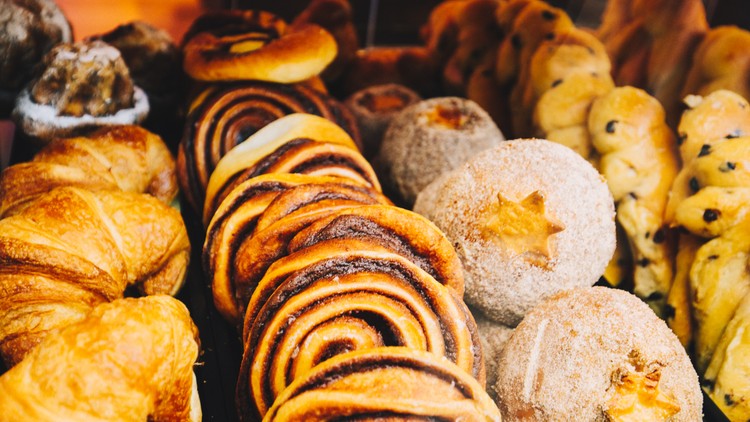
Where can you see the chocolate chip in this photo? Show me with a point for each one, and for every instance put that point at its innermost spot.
(708, 384)
(694, 185)
(659, 236)
(548, 15)
(729, 400)
(633, 195)
(705, 150)
(681, 138)
(711, 215)
(713, 257)
(736, 134)
(669, 312)
(556, 82)
(654, 297)
(727, 167)
(515, 40)
(643, 262)
(611, 126)
(549, 36)
(647, 235)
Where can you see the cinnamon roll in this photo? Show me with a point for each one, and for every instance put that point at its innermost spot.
(223, 116)
(342, 295)
(393, 383)
(299, 143)
(236, 218)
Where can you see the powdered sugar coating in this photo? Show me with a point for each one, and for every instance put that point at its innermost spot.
(494, 336)
(415, 150)
(559, 362)
(44, 122)
(500, 282)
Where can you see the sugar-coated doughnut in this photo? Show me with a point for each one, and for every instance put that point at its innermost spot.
(528, 218)
(430, 138)
(596, 354)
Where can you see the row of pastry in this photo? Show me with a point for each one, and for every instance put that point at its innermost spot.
(317, 269)
(92, 245)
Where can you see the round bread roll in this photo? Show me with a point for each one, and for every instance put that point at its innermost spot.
(375, 107)
(596, 354)
(528, 218)
(431, 137)
(493, 336)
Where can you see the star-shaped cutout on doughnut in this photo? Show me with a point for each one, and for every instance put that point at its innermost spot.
(524, 227)
(637, 397)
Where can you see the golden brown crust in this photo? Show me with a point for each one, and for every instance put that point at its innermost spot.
(71, 249)
(86, 371)
(287, 56)
(385, 382)
(126, 158)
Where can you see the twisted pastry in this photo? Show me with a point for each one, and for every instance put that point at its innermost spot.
(720, 62)
(639, 162)
(234, 219)
(391, 382)
(129, 360)
(126, 158)
(255, 45)
(299, 143)
(71, 249)
(726, 378)
(340, 295)
(223, 116)
(650, 44)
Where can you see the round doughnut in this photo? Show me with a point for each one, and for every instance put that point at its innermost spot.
(431, 137)
(258, 46)
(596, 354)
(528, 218)
(375, 107)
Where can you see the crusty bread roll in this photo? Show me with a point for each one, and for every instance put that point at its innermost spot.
(522, 216)
(596, 354)
(430, 138)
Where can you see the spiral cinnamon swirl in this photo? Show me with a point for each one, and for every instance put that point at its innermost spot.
(236, 218)
(299, 143)
(392, 383)
(223, 116)
(343, 295)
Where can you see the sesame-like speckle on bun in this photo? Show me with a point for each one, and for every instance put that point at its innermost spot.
(528, 218)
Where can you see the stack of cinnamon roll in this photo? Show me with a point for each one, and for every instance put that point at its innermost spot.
(337, 293)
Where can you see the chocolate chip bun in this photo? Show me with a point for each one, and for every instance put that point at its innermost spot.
(375, 107)
(596, 354)
(28, 30)
(432, 137)
(528, 218)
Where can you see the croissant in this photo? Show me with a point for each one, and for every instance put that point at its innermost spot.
(223, 116)
(639, 161)
(127, 158)
(340, 295)
(393, 382)
(129, 360)
(72, 249)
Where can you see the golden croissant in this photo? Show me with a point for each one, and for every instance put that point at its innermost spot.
(72, 249)
(126, 158)
(129, 360)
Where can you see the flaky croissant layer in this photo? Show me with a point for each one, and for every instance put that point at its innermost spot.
(128, 360)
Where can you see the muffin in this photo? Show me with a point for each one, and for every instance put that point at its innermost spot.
(82, 85)
(528, 218)
(28, 30)
(432, 137)
(596, 354)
